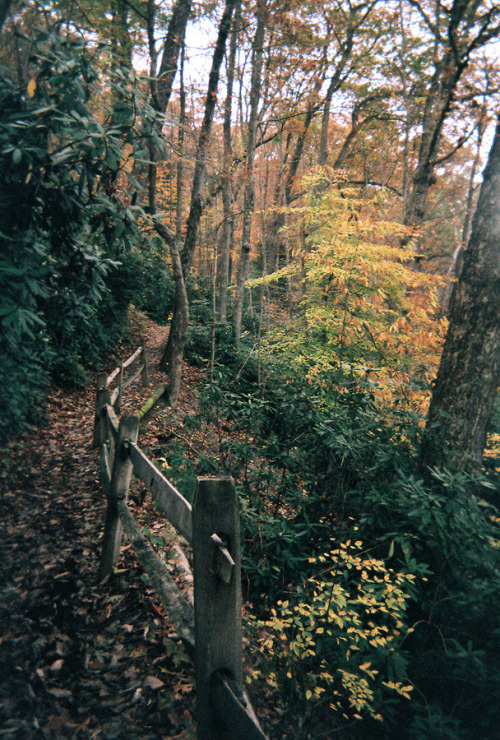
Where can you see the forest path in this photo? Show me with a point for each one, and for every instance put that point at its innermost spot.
(80, 659)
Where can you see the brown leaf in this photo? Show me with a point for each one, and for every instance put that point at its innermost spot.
(137, 696)
(182, 688)
(60, 693)
(153, 683)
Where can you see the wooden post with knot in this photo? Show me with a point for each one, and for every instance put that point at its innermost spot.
(217, 596)
(223, 710)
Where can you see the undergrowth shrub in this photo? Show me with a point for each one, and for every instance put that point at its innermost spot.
(311, 459)
(89, 329)
(444, 527)
(64, 239)
(154, 288)
(199, 342)
(24, 376)
(179, 469)
(336, 645)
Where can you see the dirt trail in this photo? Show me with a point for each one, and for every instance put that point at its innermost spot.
(79, 659)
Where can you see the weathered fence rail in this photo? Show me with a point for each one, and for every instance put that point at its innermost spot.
(105, 396)
(212, 631)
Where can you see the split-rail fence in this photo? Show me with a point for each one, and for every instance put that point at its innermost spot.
(211, 630)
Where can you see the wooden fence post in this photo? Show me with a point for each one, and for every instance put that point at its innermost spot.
(102, 398)
(118, 402)
(217, 598)
(118, 490)
(145, 371)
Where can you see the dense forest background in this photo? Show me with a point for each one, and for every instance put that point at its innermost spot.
(297, 191)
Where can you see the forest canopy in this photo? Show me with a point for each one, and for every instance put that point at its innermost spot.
(296, 190)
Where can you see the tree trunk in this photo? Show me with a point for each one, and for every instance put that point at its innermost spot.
(468, 29)
(335, 85)
(174, 351)
(227, 175)
(437, 105)
(249, 194)
(120, 38)
(180, 158)
(174, 41)
(161, 84)
(469, 372)
(456, 264)
(179, 330)
(284, 193)
(481, 128)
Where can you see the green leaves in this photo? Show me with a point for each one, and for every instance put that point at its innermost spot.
(66, 225)
(342, 636)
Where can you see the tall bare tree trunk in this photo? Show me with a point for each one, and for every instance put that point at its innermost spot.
(174, 351)
(457, 261)
(284, 193)
(481, 128)
(249, 194)
(161, 82)
(227, 175)
(469, 372)
(335, 84)
(442, 88)
(180, 158)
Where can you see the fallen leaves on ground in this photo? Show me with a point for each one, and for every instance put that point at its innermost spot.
(79, 659)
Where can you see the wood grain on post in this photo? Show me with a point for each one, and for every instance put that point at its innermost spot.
(239, 714)
(106, 462)
(217, 596)
(101, 400)
(118, 490)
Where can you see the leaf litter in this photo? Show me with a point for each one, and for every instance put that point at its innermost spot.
(80, 659)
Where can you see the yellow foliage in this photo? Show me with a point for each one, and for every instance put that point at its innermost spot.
(343, 635)
(363, 311)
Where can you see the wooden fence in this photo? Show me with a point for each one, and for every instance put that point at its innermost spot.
(211, 631)
(106, 395)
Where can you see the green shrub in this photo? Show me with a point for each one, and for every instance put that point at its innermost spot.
(154, 287)
(64, 238)
(455, 648)
(337, 641)
(24, 376)
(312, 459)
(198, 344)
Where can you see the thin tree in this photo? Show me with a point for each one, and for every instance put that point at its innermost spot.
(468, 27)
(174, 351)
(161, 82)
(227, 175)
(249, 193)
